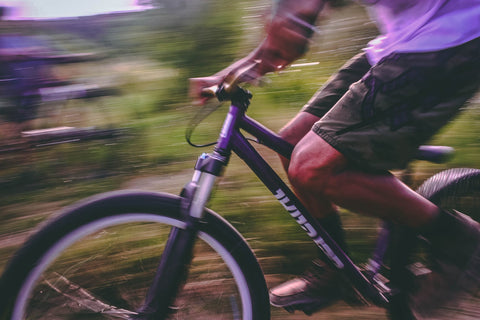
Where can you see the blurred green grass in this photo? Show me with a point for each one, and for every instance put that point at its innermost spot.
(150, 57)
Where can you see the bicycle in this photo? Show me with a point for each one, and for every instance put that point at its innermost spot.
(207, 269)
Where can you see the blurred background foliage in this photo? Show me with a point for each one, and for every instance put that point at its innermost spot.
(150, 56)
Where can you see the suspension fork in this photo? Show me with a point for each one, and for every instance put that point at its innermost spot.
(178, 253)
(176, 258)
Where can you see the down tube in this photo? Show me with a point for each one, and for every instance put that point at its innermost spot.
(309, 224)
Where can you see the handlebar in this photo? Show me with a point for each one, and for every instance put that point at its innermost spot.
(238, 96)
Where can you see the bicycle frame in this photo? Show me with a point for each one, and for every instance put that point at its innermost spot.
(291, 203)
(197, 192)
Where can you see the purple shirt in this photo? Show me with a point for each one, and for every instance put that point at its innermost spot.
(421, 25)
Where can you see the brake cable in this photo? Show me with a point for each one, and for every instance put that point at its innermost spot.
(199, 116)
(208, 109)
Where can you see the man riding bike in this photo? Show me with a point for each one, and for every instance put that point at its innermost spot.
(370, 117)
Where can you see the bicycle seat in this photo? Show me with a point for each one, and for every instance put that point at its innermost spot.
(436, 154)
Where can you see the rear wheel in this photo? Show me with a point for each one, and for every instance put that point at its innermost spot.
(457, 189)
(97, 261)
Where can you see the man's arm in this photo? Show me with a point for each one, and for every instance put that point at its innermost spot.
(287, 37)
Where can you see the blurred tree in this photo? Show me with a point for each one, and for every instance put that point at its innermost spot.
(206, 41)
(205, 37)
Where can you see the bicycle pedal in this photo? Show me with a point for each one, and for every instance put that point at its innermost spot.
(418, 270)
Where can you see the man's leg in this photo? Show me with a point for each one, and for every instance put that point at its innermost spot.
(377, 125)
(325, 211)
(323, 280)
(319, 171)
(294, 132)
(320, 285)
(321, 102)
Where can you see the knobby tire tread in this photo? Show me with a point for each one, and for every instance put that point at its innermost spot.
(438, 188)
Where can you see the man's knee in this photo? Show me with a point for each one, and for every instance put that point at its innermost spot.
(295, 130)
(314, 164)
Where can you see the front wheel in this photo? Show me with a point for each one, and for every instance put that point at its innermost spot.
(98, 259)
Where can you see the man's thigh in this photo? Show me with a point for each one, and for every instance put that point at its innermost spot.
(325, 98)
(313, 155)
(337, 85)
(400, 104)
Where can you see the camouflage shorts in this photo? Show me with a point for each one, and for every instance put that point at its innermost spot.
(378, 116)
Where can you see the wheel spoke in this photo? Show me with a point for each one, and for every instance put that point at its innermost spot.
(83, 300)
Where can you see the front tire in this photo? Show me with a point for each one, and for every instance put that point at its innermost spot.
(97, 260)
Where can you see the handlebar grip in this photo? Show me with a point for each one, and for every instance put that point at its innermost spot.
(210, 92)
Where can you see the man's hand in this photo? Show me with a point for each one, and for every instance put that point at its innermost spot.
(288, 34)
(286, 41)
(242, 71)
(198, 84)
